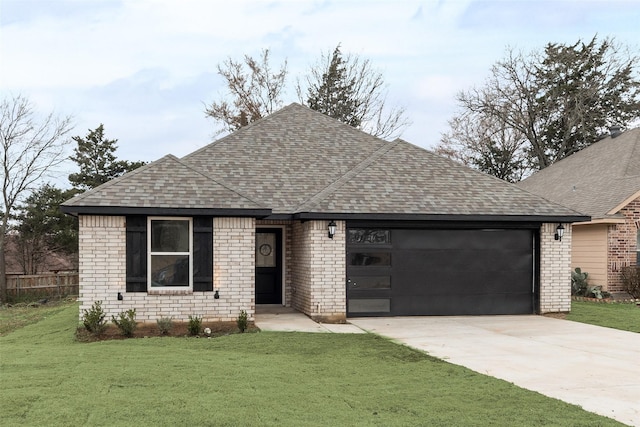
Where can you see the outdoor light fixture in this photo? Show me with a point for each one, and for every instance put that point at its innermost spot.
(120, 297)
(559, 232)
(216, 295)
(332, 229)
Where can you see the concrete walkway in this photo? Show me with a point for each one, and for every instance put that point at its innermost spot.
(285, 319)
(589, 366)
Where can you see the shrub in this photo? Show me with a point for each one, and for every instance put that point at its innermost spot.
(579, 282)
(631, 280)
(93, 319)
(242, 321)
(581, 287)
(165, 324)
(126, 322)
(195, 325)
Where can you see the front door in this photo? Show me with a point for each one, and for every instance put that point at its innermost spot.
(268, 266)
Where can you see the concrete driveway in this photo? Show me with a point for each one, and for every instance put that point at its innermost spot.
(592, 367)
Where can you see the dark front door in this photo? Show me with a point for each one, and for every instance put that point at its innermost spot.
(268, 266)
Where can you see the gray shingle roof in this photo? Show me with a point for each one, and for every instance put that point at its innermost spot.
(165, 183)
(594, 180)
(299, 161)
(286, 157)
(409, 179)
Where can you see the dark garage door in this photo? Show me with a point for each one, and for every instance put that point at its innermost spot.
(396, 272)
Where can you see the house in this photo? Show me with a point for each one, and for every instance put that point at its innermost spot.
(301, 210)
(602, 181)
(21, 260)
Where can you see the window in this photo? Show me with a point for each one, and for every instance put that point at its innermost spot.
(170, 253)
(369, 236)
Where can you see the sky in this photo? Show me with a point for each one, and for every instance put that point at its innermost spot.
(146, 69)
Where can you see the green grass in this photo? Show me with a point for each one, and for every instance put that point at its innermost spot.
(618, 316)
(12, 318)
(255, 379)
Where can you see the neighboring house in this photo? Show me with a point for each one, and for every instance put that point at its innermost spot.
(19, 261)
(602, 181)
(246, 220)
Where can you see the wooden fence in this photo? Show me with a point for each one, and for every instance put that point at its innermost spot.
(49, 285)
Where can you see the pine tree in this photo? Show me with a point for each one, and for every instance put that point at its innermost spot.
(97, 161)
(334, 94)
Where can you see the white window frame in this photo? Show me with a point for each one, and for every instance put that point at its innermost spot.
(150, 254)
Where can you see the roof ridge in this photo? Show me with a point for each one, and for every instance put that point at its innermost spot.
(114, 181)
(210, 178)
(344, 178)
(242, 129)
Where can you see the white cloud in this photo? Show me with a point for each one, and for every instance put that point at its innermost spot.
(145, 67)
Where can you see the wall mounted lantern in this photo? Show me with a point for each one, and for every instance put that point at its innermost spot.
(120, 297)
(216, 294)
(332, 229)
(559, 232)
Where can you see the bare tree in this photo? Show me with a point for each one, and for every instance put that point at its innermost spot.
(31, 148)
(348, 88)
(254, 91)
(487, 145)
(560, 99)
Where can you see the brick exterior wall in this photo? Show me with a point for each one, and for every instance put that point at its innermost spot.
(622, 245)
(555, 270)
(103, 272)
(314, 271)
(319, 271)
(102, 262)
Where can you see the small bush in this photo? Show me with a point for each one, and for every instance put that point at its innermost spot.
(631, 280)
(126, 322)
(195, 325)
(242, 321)
(93, 319)
(579, 282)
(165, 324)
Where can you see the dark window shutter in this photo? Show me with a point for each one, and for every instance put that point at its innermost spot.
(136, 254)
(203, 254)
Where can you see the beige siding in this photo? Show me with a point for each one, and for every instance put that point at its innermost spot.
(589, 251)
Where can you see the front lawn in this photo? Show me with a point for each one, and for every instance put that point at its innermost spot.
(261, 379)
(20, 315)
(618, 316)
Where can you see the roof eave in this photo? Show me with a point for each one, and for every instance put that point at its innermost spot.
(441, 217)
(624, 203)
(128, 210)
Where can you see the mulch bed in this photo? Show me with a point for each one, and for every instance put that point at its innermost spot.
(149, 330)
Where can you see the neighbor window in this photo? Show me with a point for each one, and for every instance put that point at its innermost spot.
(638, 248)
(170, 253)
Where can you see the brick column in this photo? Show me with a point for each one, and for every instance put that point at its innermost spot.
(102, 261)
(555, 269)
(318, 271)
